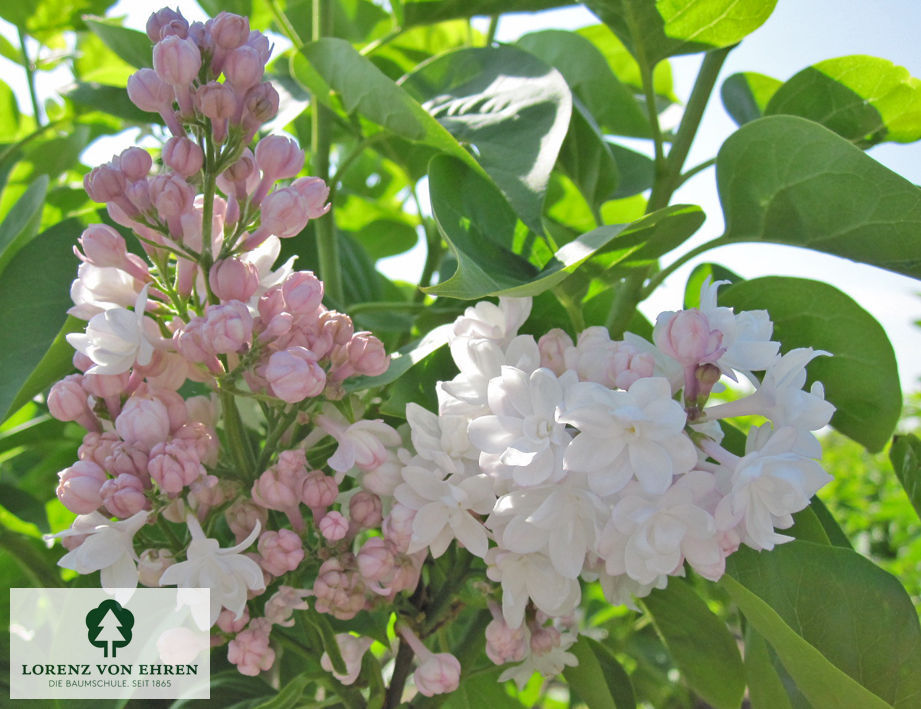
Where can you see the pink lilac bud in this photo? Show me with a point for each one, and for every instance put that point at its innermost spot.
(294, 375)
(250, 650)
(260, 43)
(183, 156)
(437, 673)
(687, 337)
(104, 386)
(171, 195)
(280, 608)
(241, 177)
(243, 515)
(318, 490)
(143, 422)
(219, 103)
(243, 68)
(166, 22)
(279, 488)
(228, 327)
(376, 560)
(505, 644)
(284, 213)
(124, 495)
(127, 459)
(333, 526)
(233, 279)
(629, 364)
(96, 447)
(398, 526)
(191, 344)
(79, 487)
(103, 246)
(314, 192)
(352, 650)
(149, 92)
(81, 361)
(385, 478)
(67, 399)
(135, 163)
(338, 588)
(203, 437)
(229, 623)
(151, 565)
(104, 183)
(367, 354)
(138, 193)
(278, 158)
(173, 465)
(303, 292)
(365, 510)
(281, 551)
(552, 348)
(259, 105)
(229, 31)
(543, 640)
(176, 60)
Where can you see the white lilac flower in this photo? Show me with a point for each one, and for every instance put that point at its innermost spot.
(621, 590)
(117, 339)
(362, 444)
(440, 439)
(650, 536)
(479, 361)
(625, 434)
(766, 486)
(746, 335)
(522, 429)
(560, 521)
(531, 576)
(108, 548)
(488, 321)
(229, 574)
(443, 508)
(100, 288)
(549, 664)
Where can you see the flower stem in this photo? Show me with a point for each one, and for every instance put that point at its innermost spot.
(237, 441)
(30, 77)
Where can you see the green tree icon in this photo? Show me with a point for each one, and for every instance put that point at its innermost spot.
(109, 626)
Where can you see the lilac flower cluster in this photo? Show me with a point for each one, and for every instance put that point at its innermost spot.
(556, 461)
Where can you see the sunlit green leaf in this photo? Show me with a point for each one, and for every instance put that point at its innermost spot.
(111, 99)
(814, 314)
(624, 65)
(587, 159)
(510, 106)
(612, 104)
(654, 30)
(21, 224)
(132, 46)
(788, 180)
(421, 12)
(864, 99)
(765, 688)
(635, 170)
(845, 630)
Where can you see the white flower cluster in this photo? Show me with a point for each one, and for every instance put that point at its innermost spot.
(600, 460)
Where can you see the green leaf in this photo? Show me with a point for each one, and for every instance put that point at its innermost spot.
(289, 696)
(612, 104)
(132, 46)
(765, 688)
(624, 65)
(599, 679)
(814, 314)
(832, 529)
(700, 644)
(845, 630)
(653, 31)
(484, 690)
(790, 181)
(24, 506)
(320, 624)
(746, 95)
(22, 221)
(587, 158)
(636, 171)
(481, 231)
(43, 269)
(905, 455)
(54, 364)
(386, 237)
(423, 12)
(510, 106)
(111, 99)
(333, 64)
(866, 100)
